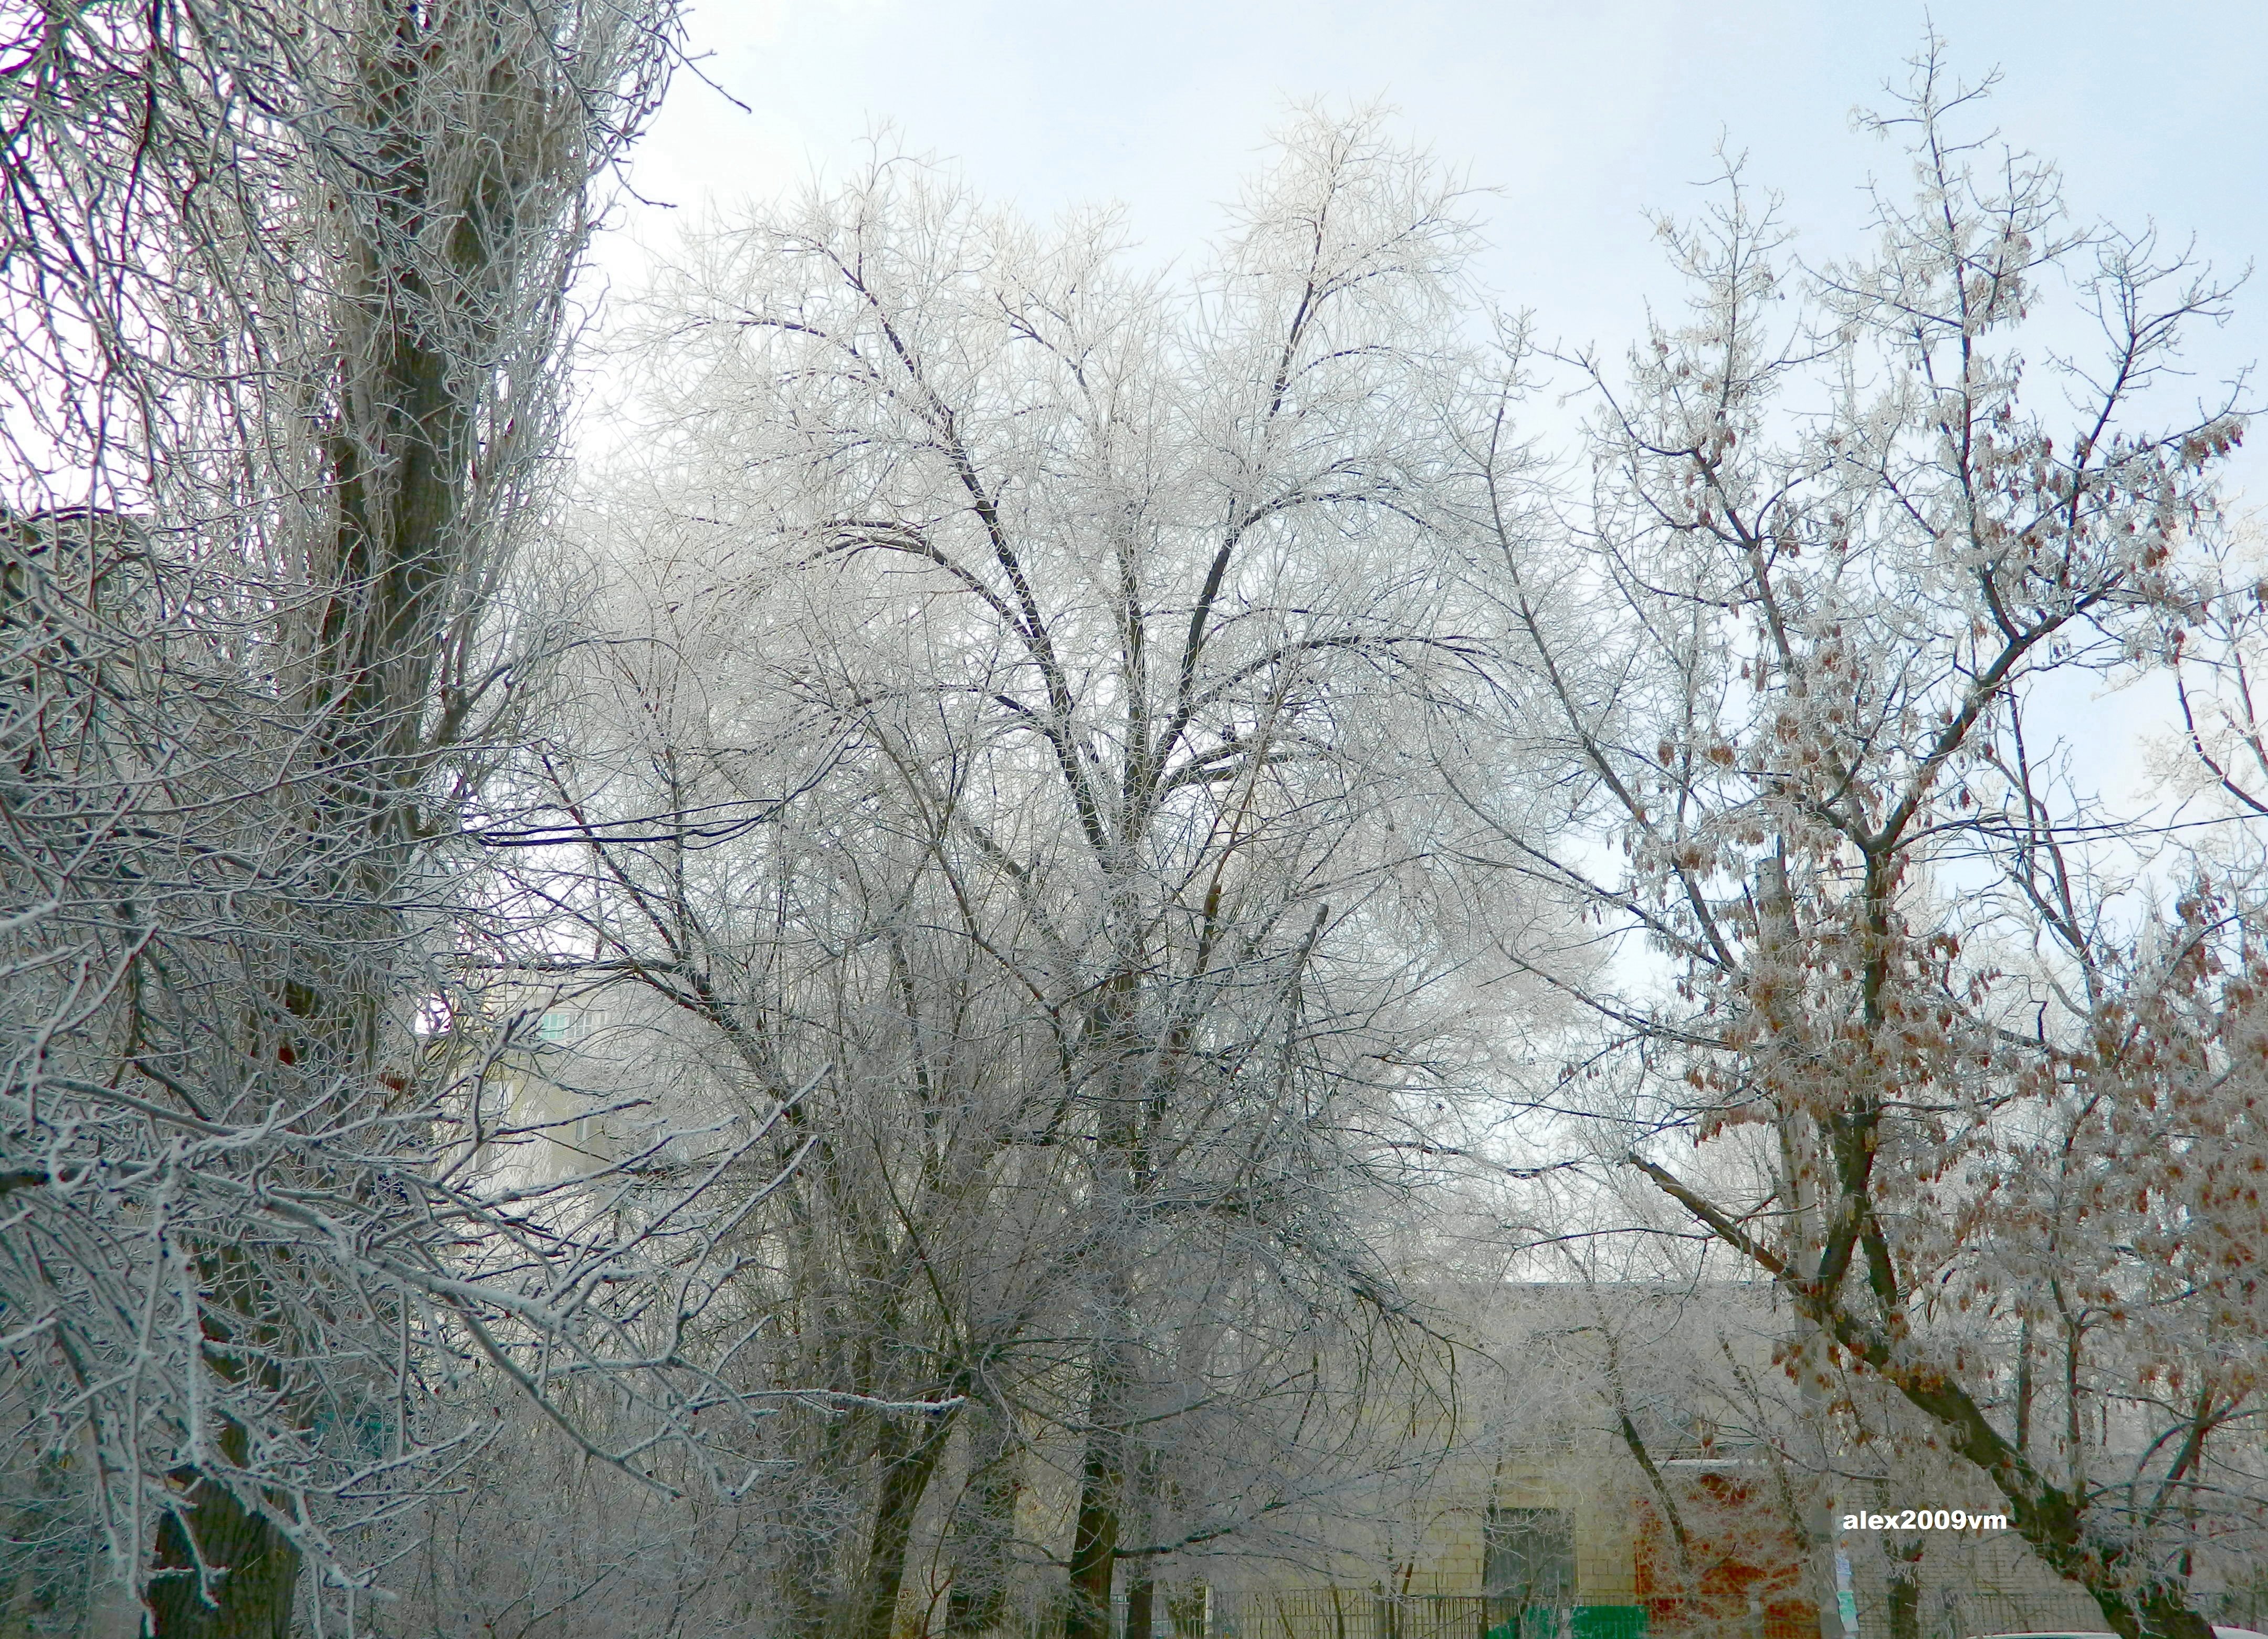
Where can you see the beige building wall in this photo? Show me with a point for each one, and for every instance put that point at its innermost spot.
(1442, 1549)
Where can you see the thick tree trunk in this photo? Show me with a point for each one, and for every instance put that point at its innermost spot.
(909, 1456)
(414, 365)
(1101, 1486)
(251, 1568)
(983, 1528)
(251, 1572)
(1122, 1169)
(1142, 1510)
(1141, 1593)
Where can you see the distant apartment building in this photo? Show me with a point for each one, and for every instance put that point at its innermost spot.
(1656, 1486)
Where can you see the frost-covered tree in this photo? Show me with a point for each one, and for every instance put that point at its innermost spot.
(1911, 1018)
(1100, 631)
(283, 292)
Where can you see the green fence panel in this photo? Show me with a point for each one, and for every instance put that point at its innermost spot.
(1608, 1622)
(1579, 1621)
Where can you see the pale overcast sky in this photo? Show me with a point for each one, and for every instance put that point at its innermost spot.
(1584, 115)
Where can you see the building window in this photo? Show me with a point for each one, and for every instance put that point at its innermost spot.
(1528, 1557)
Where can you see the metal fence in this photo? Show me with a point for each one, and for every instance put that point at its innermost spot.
(1958, 1615)
(1350, 1613)
(1353, 1613)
